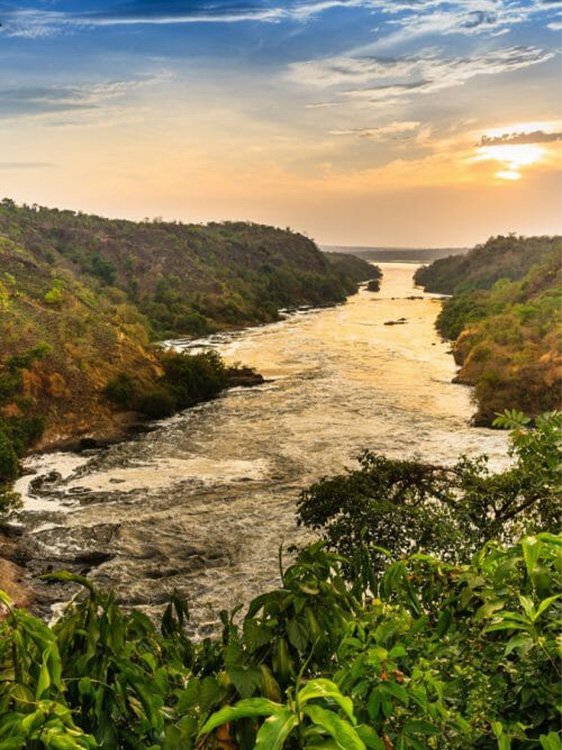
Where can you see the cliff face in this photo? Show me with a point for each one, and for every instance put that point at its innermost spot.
(81, 297)
(507, 338)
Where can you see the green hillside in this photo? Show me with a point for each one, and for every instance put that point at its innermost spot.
(500, 257)
(507, 336)
(353, 267)
(187, 279)
(82, 297)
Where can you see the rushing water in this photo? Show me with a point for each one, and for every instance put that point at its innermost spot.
(202, 503)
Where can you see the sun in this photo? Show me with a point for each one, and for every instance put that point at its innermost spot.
(511, 158)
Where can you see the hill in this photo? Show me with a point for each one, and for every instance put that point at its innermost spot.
(354, 268)
(500, 257)
(506, 329)
(82, 297)
(186, 279)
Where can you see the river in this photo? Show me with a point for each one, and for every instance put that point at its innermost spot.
(202, 503)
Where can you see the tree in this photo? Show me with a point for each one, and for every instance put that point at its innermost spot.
(406, 506)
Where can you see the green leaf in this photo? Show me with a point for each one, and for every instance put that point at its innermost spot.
(488, 609)
(250, 707)
(419, 726)
(275, 730)
(270, 686)
(209, 693)
(550, 741)
(5, 599)
(374, 703)
(522, 641)
(544, 605)
(531, 553)
(322, 688)
(504, 742)
(44, 681)
(397, 691)
(32, 722)
(65, 576)
(297, 633)
(370, 737)
(528, 607)
(246, 680)
(343, 733)
(282, 662)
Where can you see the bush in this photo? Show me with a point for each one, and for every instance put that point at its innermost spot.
(188, 379)
(157, 403)
(407, 507)
(121, 390)
(433, 656)
(9, 464)
(192, 378)
(24, 431)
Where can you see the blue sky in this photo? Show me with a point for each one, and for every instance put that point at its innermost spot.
(327, 115)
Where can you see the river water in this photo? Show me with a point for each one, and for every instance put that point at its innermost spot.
(202, 503)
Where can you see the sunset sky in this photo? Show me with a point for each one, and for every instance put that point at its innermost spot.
(359, 122)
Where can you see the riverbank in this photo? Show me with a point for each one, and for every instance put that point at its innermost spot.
(201, 503)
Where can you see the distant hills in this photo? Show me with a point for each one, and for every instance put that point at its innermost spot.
(396, 254)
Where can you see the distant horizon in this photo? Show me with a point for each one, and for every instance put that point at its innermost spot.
(387, 248)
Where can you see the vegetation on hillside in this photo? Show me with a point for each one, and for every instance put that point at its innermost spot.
(354, 268)
(186, 380)
(507, 333)
(185, 279)
(81, 298)
(418, 653)
(502, 257)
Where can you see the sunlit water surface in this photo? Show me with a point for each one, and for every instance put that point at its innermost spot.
(202, 503)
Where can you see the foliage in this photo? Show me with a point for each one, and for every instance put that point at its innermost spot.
(503, 257)
(9, 465)
(407, 506)
(354, 268)
(185, 279)
(507, 333)
(434, 656)
(19, 426)
(121, 390)
(187, 380)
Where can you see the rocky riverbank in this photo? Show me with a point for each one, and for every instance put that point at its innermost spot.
(13, 572)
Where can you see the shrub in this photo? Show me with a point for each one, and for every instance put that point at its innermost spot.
(9, 464)
(157, 403)
(121, 390)
(193, 377)
(54, 296)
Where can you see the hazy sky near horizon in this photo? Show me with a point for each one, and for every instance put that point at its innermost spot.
(360, 122)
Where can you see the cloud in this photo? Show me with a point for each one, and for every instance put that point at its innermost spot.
(409, 18)
(34, 23)
(508, 139)
(391, 131)
(345, 70)
(396, 78)
(26, 101)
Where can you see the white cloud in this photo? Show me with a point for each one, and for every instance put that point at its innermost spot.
(389, 77)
